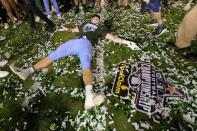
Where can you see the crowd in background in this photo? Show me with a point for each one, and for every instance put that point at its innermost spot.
(14, 11)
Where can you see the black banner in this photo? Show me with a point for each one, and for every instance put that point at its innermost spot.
(120, 86)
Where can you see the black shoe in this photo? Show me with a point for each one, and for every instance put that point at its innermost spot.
(76, 9)
(171, 44)
(159, 30)
(190, 56)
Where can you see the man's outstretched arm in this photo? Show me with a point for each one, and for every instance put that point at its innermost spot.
(119, 40)
(76, 29)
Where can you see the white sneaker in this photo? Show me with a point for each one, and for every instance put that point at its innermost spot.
(3, 74)
(2, 37)
(6, 26)
(3, 62)
(37, 18)
(19, 22)
(133, 46)
(22, 73)
(93, 100)
(59, 16)
(49, 16)
(189, 117)
(14, 25)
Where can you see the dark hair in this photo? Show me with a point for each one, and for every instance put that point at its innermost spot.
(95, 15)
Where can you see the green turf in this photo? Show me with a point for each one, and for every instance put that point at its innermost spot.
(62, 99)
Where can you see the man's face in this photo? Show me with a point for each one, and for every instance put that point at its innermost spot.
(95, 20)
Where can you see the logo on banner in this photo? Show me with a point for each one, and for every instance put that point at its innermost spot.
(151, 90)
(121, 86)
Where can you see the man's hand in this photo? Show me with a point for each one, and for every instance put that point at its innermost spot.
(131, 45)
(63, 29)
(187, 7)
(147, 1)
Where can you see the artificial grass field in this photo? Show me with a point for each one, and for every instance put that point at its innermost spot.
(59, 105)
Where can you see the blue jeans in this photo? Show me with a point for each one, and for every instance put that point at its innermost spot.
(154, 5)
(47, 8)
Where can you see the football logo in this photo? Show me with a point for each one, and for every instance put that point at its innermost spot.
(151, 90)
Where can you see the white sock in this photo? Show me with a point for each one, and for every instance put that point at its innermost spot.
(89, 90)
(30, 70)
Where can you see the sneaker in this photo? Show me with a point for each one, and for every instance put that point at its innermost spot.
(22, 73)
(133, 46)
(190, 117)
(159, 30)
(152, 23)
(49, 17)
(6, 26)
(3, 62)
(93, 100)
(14, 25)
(190, 56)
(3, 74)
(37, 18)
(2, 37)
(187, 7)
(19, 22)
(59, 16)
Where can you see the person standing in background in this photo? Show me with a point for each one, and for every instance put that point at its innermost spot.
(56, 8)
(3, 17)
(154, 6)
(10, 6)
(32, 10)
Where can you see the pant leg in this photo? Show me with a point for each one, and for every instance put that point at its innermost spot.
(8, 8)
(3, 14)
(55, 5)
(46, 5)
(187, 29)
(30, 16)
(39, 5)
(143, 7)
(79, 47)
(154, 5)
(14, 8)
(31, 5)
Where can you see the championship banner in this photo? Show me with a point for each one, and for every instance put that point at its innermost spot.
(151, 90)
(121, 87)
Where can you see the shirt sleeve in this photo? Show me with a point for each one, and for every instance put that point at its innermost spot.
(103, 32)
(81, 27)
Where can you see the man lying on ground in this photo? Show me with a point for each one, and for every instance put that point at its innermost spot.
(89, 33)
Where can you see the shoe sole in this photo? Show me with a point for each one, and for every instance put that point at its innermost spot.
(4, 38)
(5, 74)
(14, 70)
(152, 25)
(163, 31)
(4, 63)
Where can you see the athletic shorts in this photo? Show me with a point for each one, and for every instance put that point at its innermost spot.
(154, 5)
(81, 47)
